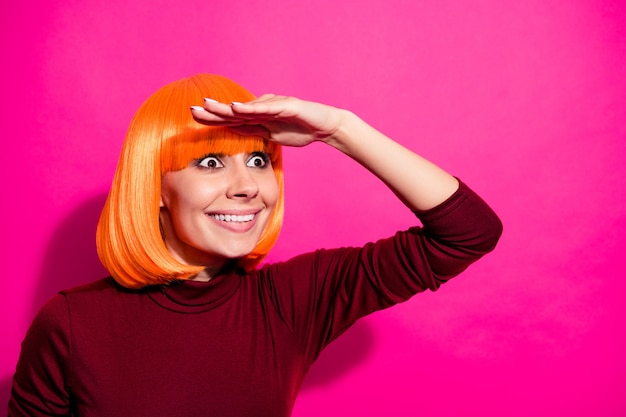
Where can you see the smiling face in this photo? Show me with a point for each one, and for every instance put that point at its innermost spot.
(147, 233)
(217, 207)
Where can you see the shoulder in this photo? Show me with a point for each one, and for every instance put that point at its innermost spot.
(98, 296)
(308, 270)
(56, 309)
(102, 288)
(104, 284)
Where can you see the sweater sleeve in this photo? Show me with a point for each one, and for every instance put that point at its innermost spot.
(40, 384)
(322, 293)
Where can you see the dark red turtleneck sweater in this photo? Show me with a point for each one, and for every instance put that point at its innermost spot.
(240, 344)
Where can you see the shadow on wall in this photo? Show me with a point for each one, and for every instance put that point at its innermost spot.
(5, 392)
(72, 260)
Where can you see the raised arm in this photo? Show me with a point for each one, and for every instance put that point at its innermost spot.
(335, 287)
(420, 184)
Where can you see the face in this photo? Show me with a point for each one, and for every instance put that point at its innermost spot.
(216, 208)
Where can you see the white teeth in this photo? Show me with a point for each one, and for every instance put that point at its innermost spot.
(233, 218)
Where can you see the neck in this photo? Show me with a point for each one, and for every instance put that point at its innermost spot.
(210, 272)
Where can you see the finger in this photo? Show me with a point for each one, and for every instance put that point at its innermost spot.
(233, 111)
(202, 115)
(221, 109)
(268, 108)
(213, 109)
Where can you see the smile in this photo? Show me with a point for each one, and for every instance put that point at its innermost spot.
(233, 218)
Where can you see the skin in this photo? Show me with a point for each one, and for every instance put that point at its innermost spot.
(289, 121)
(197, 200)
(420, 184)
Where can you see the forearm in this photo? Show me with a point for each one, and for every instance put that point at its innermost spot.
(420, 184)
(289, 121)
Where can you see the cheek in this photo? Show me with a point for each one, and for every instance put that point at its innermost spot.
(270, 190)
(189, 193)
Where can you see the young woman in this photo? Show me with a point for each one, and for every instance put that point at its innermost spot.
(188, 324)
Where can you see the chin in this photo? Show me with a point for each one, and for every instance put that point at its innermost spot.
(236, 253)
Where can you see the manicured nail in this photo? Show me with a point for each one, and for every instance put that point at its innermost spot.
(210, 100)
(198, 108)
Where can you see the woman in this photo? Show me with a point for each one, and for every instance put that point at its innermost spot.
(188, 324)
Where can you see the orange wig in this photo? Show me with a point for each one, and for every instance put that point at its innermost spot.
(164, 137)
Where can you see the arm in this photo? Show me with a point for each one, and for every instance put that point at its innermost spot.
(420, 184)
(41, 380)
(333, 288)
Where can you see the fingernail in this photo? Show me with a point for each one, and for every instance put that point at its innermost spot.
(236, 103)
(210, 100)
(198, 108)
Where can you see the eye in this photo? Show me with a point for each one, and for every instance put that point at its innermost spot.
(210, 162)
(258, 160)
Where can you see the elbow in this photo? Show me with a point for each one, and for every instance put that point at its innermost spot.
(492, 234)
(452, 259)
(487, 230)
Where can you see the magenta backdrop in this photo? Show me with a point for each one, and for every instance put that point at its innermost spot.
(524, 100)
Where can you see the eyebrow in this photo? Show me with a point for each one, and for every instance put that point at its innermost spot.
(223, 155)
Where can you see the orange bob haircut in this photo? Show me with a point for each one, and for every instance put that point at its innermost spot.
(162, 137)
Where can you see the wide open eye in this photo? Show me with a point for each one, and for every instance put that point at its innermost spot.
(258, 160)
(210, 162)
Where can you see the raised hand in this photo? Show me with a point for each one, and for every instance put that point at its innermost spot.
(285, 120)
(420, 184)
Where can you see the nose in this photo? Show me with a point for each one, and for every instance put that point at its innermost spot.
(241, 184)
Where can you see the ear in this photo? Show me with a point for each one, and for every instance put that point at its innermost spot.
(162, 200)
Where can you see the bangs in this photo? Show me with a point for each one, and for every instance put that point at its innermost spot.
(180, 139)
(180, 151)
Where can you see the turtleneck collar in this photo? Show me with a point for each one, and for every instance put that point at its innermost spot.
(196, 296)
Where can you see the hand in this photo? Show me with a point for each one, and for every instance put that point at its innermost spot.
(285, 120)
(420, 184)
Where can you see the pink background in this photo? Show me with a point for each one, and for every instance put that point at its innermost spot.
(524, 100)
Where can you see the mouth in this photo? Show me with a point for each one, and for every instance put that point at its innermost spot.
(233, 218)
(235, 222)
